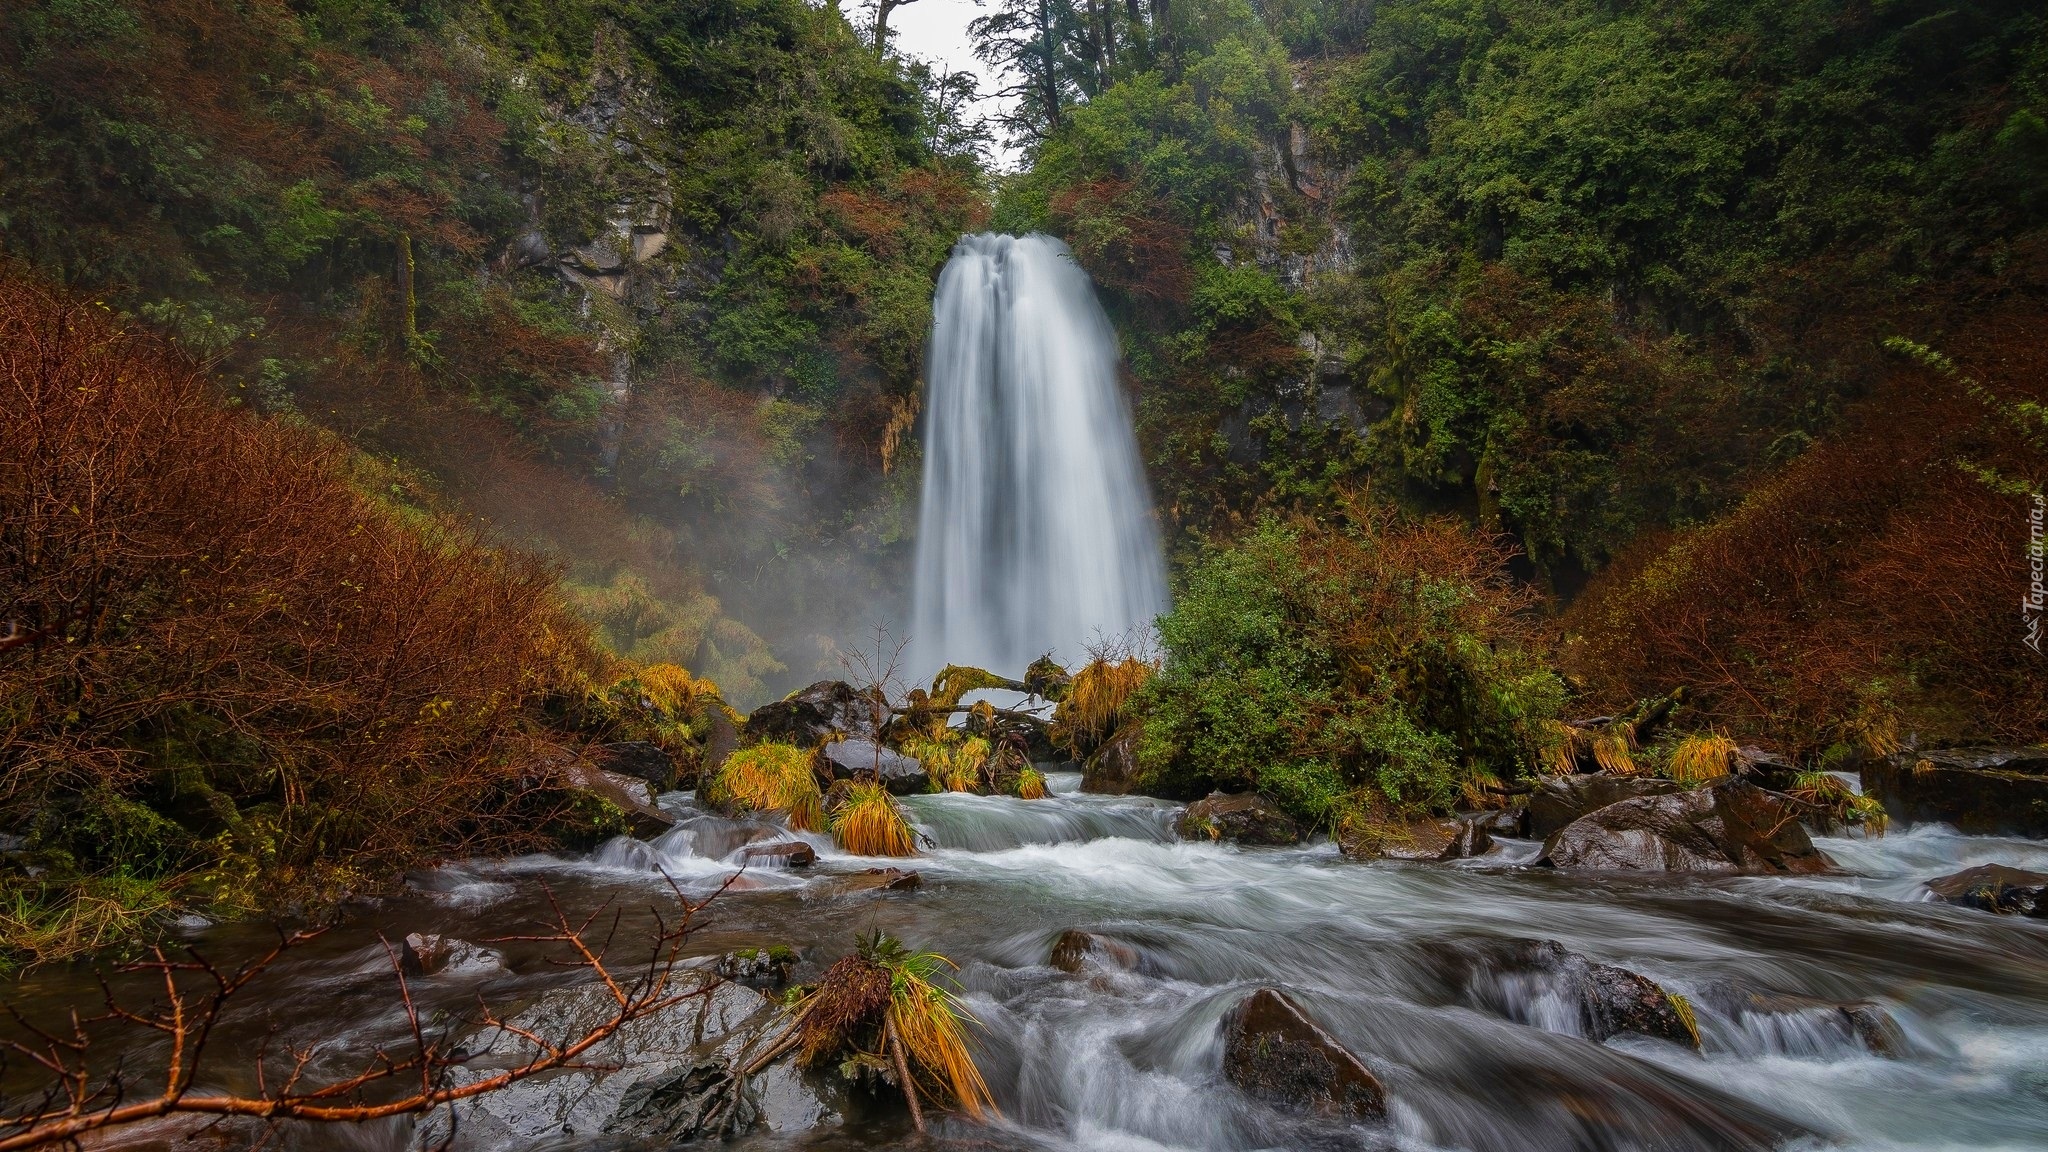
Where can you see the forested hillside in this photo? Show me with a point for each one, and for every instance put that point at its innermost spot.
(1589, 274)
(1495, 363)
(644, 285)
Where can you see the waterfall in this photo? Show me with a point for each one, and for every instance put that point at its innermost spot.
(1036, 532)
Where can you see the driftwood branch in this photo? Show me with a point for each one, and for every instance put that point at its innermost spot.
(81, 1099)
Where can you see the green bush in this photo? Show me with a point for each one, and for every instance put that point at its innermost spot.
(1347, 668)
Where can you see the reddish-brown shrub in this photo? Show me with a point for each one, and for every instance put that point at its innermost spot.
(1868, 591)
(1129, 245)
(203, 606)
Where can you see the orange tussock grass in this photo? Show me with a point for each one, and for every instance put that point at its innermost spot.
(771, 778)
(869, 822)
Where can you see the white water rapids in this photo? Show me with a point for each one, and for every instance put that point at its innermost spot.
(1393, 959)
(1035, 533)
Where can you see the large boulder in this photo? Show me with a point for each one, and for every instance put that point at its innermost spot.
(1562, 799)
(638, 759)
(1112, 769)
(858, 756)
(1246, 817)
(814, 715)
(1732, 826)
(1982, 791)
(1995, 888)
(1275, 1053)
(655, 1080)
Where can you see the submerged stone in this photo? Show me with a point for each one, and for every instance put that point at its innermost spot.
(1517, 978)
(1076, 951)
(1275, 1053)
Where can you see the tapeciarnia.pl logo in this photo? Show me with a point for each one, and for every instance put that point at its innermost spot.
(2037, 559)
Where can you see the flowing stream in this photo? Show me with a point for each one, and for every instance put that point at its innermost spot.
(1399, 961)
(1035, 531)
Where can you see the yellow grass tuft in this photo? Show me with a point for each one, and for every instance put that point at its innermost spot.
(1030, 784)
(671, 688)
(928, 1019)
(1683, 1008)
(1825, 791)
(869, 822)
(1614, 749)
(1562, 745)
(954, 762)
(771, 778)
(1699, 757)
(1096, 700)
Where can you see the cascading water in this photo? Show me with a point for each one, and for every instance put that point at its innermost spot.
(1036, 532)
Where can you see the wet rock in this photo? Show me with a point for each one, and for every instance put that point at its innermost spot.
(813, 715)
(653, 1080)
(1995, 888)
(1077, 951)
(1727, 827)
(1112, 769)
(856, 757)
(1275, 1053)
(1247, 818)
(638, 759)
(1764, 768)
(629, 794)
(423, 954)
(1510, 822)
(1982, 791)
(780, 854)
(722, 739)
(759, 967)
(1622, 1001)
(1562, 799)
(1426, 839)
(1518, 978)
(875, 880)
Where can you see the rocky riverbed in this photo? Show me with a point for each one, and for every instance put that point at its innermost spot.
(1133, 989)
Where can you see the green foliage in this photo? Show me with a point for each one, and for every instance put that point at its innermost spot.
(1598, 264)
(1345, 668)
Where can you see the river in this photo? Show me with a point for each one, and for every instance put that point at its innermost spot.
(1398, 960)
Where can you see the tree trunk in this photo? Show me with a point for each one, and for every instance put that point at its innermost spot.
(409, 323)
